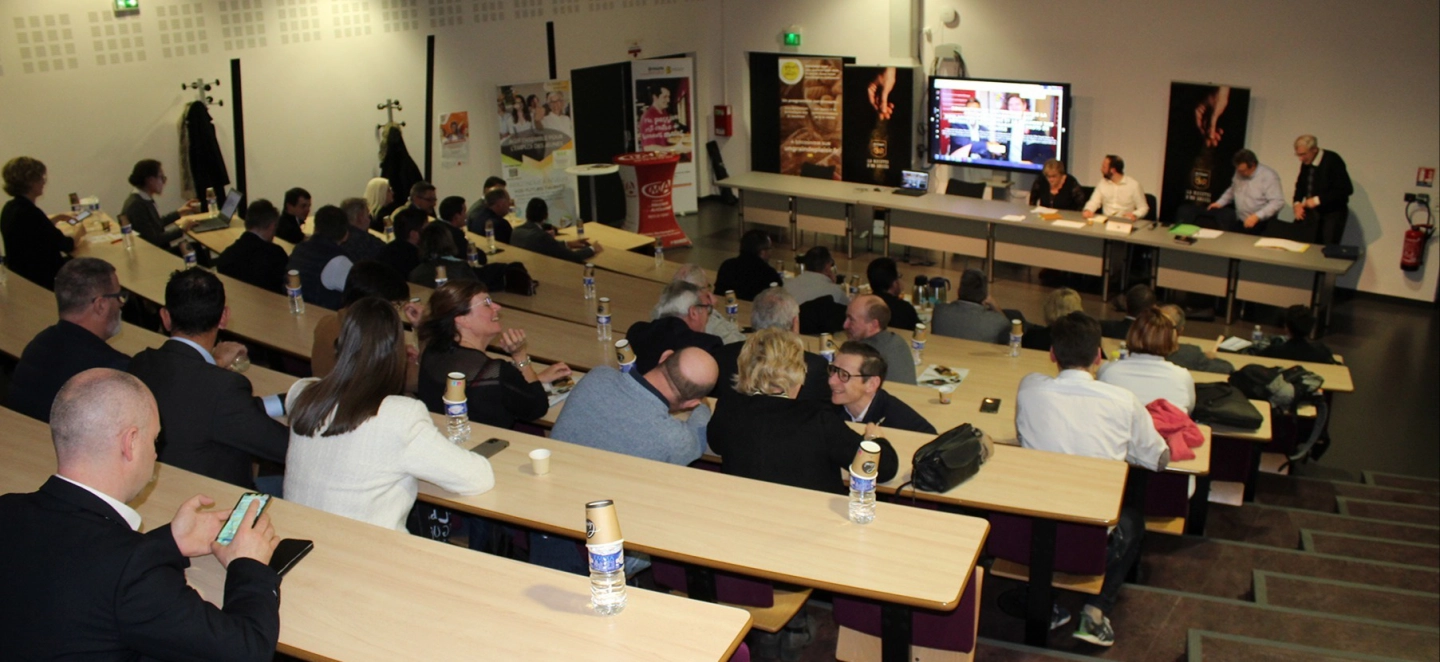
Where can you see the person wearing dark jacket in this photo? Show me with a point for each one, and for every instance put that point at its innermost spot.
(86, 583)
(34, 246)
(492, 209)
(212, 423)
(884, 277)
(1058, 303)
(1297, 345)
(855, 380)
(361, 245)
(292, 222)
(451, 214)
(89, 297)
(1138, 299)
(1056, 189)
(534, 236)
(749, 272)
(679, 321)
(463, 321)
(765, 433)
(1192, 357)
(437, 250)
(1322, 191)
(148, 178)
(255, 258)
(403, 253)
(321, 259)
(773, 308)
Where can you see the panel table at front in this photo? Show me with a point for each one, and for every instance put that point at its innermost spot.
(938, 233)
(1050, 250)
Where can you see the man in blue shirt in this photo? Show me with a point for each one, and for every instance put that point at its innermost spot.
(1255, 193)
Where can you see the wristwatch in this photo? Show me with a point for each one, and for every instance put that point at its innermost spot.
(520, 365)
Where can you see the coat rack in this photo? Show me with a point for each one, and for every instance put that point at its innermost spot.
(390, 106)
(202, 90)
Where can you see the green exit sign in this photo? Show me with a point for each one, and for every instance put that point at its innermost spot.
(127, 5)
(791, 38)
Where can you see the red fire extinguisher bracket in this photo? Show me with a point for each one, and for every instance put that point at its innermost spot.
(1412, 254)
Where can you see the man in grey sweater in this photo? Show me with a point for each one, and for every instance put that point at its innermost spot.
(631, 413)
(866, 321)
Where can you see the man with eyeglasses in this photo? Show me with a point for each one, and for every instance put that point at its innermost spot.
(678, 322)
(89, 297)
(717, 324)
(855, 380)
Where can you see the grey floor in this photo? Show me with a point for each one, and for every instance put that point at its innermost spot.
(1391, 423)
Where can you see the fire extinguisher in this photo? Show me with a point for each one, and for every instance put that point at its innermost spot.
(1412, 255)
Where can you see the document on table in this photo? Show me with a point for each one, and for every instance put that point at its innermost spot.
(1012, 217)
(1208, 234)
(1283, 244)
(1234, 344)
(939, 375)
(1117, 226)
(1068, 224)
(1043, 210)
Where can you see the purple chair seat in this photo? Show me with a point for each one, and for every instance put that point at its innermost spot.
(942, 630)
(1167, 495)
(1079, 550)
(730, 588)
(742, 654)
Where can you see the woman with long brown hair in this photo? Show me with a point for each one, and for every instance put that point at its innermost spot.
(358, 447)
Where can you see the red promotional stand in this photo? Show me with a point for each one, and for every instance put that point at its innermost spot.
(648, 177)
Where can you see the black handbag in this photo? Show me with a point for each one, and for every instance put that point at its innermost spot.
(949, 460)
(1220, 403)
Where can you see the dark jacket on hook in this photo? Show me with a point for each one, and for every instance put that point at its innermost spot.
(202, 151)
(396, 164)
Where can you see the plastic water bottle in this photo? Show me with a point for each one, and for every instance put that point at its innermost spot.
(602, 318)
(457, 413)
(917, 342)
(1257, 337)
(472, 254)
(389, 230)
(490, 236)
(827, 348)
(440, 276)
(292, 289)
(605, 549)
(187, 252)
(1124, 352)
(659, 254)
(588, 280)
(210, 200)
(1017, 333)
(127, 234)
(732, 306)
(862, 482)
(579, 227)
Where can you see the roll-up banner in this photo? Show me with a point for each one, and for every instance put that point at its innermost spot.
(1206, 128)
(879, 114)
(664, 120)
(811, 138)
(537, 144)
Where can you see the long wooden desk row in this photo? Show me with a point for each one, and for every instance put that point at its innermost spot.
(369, 593)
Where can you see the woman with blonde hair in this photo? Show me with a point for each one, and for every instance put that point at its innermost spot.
(1059, 303)
(764, 433)
(1056, 189)
(379, 198)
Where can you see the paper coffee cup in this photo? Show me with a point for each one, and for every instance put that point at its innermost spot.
(293, 278)
(602, 523)
(945, 392)
(730, 297)
(867, 460)
(623, 354)
(540, 461)
(1017, 327)
(602, 309)
(455, 387)
(922, 332)
(440, 272)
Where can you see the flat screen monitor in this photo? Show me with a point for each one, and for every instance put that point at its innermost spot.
(999, 124)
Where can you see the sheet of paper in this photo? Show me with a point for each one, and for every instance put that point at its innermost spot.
(1208, 234)
(939, 375)
(1012, 217)
(1099, 218)
(1283, 244)
(1116, 226)
(1043, 210)
(99, 238)
(1234, 344)
(1068, 224)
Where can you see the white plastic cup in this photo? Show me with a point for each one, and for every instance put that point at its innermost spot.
(540, 461)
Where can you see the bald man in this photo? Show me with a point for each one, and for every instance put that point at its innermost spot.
(633, 413)
(92, 585)
(867, 319)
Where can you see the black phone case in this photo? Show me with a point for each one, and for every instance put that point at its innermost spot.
(488, 450)
(288, 553)
(990, 407)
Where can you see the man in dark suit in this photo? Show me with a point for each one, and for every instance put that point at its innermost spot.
(749, 272)
(772, 308)
(90, 298)
(403, 253)
(884, 277)
(1138, 299)
(361, 245)
(255, 258)
(679, 322)
(492, 209)
(84, 583)
(1322, 191)
(452, 214)
(1297, 345)
(855, 379)
(292, 222)
(213, 425)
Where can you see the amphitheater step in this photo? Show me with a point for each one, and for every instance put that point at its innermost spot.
(1393, 512)
(1374, 549)
(1206, 646)
(993, 650)
(1224, 568)
(1343, 598)
(1402, 481)
(1318, 494)
(1280, 527)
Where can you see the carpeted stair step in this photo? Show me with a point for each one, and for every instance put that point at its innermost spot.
(1206, 646)
(994, 650)
(1387, 605)
(1319, 494)
(1374, 549)
(1392, 512)
(1225, 569)
(1280, 527)
(1402, 481)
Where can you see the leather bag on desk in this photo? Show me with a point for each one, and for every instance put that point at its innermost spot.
(949, 460)
(1224, 404)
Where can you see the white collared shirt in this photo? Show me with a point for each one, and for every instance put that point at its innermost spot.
(1072, 413)
(1119, 198)
(1150, 378)
(126, 512)
(854, 418)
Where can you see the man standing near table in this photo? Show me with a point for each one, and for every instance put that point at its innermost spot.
(855, 379)
(1117, 195)
(867, 319)
(1075, 414)
(255, 258)
(292, 222)
(1322, 191)
(85, 583)
(1255, 193)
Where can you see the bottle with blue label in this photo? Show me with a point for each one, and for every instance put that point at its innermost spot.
(854, 289)
(127, 233)
(1017, 334)
(472, 254)
(659, 253)
(1257, 337)
(605, 549)
(440, 276)
(917, 342)
(732, 306)
(457, 412)
(827, 347)
(210, 201)
(389, 229)
(292, 290)
(862, 482)
(602, 318)
(187, 253)
(587, 280)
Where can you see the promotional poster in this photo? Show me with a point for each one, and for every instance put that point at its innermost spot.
(454, 139)
(664, 120)
(1206, 128)
(537, 144)
(811, 116)
(879, 115)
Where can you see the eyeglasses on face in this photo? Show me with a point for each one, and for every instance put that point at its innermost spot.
(844, 375)
(122, 296)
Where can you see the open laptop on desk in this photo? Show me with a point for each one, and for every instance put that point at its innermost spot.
(221, 219)
(913, 183)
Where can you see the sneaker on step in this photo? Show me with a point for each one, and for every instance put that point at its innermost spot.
(1059, 616)
(1100, 634)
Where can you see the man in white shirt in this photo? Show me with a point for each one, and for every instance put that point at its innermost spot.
(1073, 413)
(1116, 194)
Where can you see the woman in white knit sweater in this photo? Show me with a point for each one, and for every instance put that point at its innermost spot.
(357, 447)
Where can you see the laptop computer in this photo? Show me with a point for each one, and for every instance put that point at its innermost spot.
(221, 219)
(913, 183)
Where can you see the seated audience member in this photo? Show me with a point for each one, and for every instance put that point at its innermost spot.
(1075, 414)
(1189, 356)
(765, 433)
(85, 583)
(361, 245)
(1254, 193)
(34, 245)
(492, 208)
(855, 380)
(403, 254)
(818, 278)
(773, 308)
(292, 222)
(379, 198)
(749, 272)
(1056, 189)
(462, 322)
(255, 258)
(452, 216)
(534, 236)
(148, 178)
(1297, 345)
(367, 279)
(884, 277)
(1059, 303)
(632, 414)
(213, 424)
(973, 315)
(678, 321)
(321, 259)
(359, 448)
(422, 197)
(89, 297)
(1138, 299)
(717, 324)
(867, 320)
(437, 249)
(1145, 372)
(1117, 195)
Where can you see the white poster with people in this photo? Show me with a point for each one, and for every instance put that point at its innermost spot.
(537, 144)
(664, 120)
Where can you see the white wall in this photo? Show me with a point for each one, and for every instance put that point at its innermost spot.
(1364, 78)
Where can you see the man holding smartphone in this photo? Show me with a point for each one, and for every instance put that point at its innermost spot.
(84, 581)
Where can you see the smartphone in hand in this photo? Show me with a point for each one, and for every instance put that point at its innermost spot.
(232, 525)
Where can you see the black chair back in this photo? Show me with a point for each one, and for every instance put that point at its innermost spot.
(965, 189)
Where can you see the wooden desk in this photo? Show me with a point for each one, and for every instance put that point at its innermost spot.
(219, 240)
(609, 237)
(369, 593)
(1337, 376)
